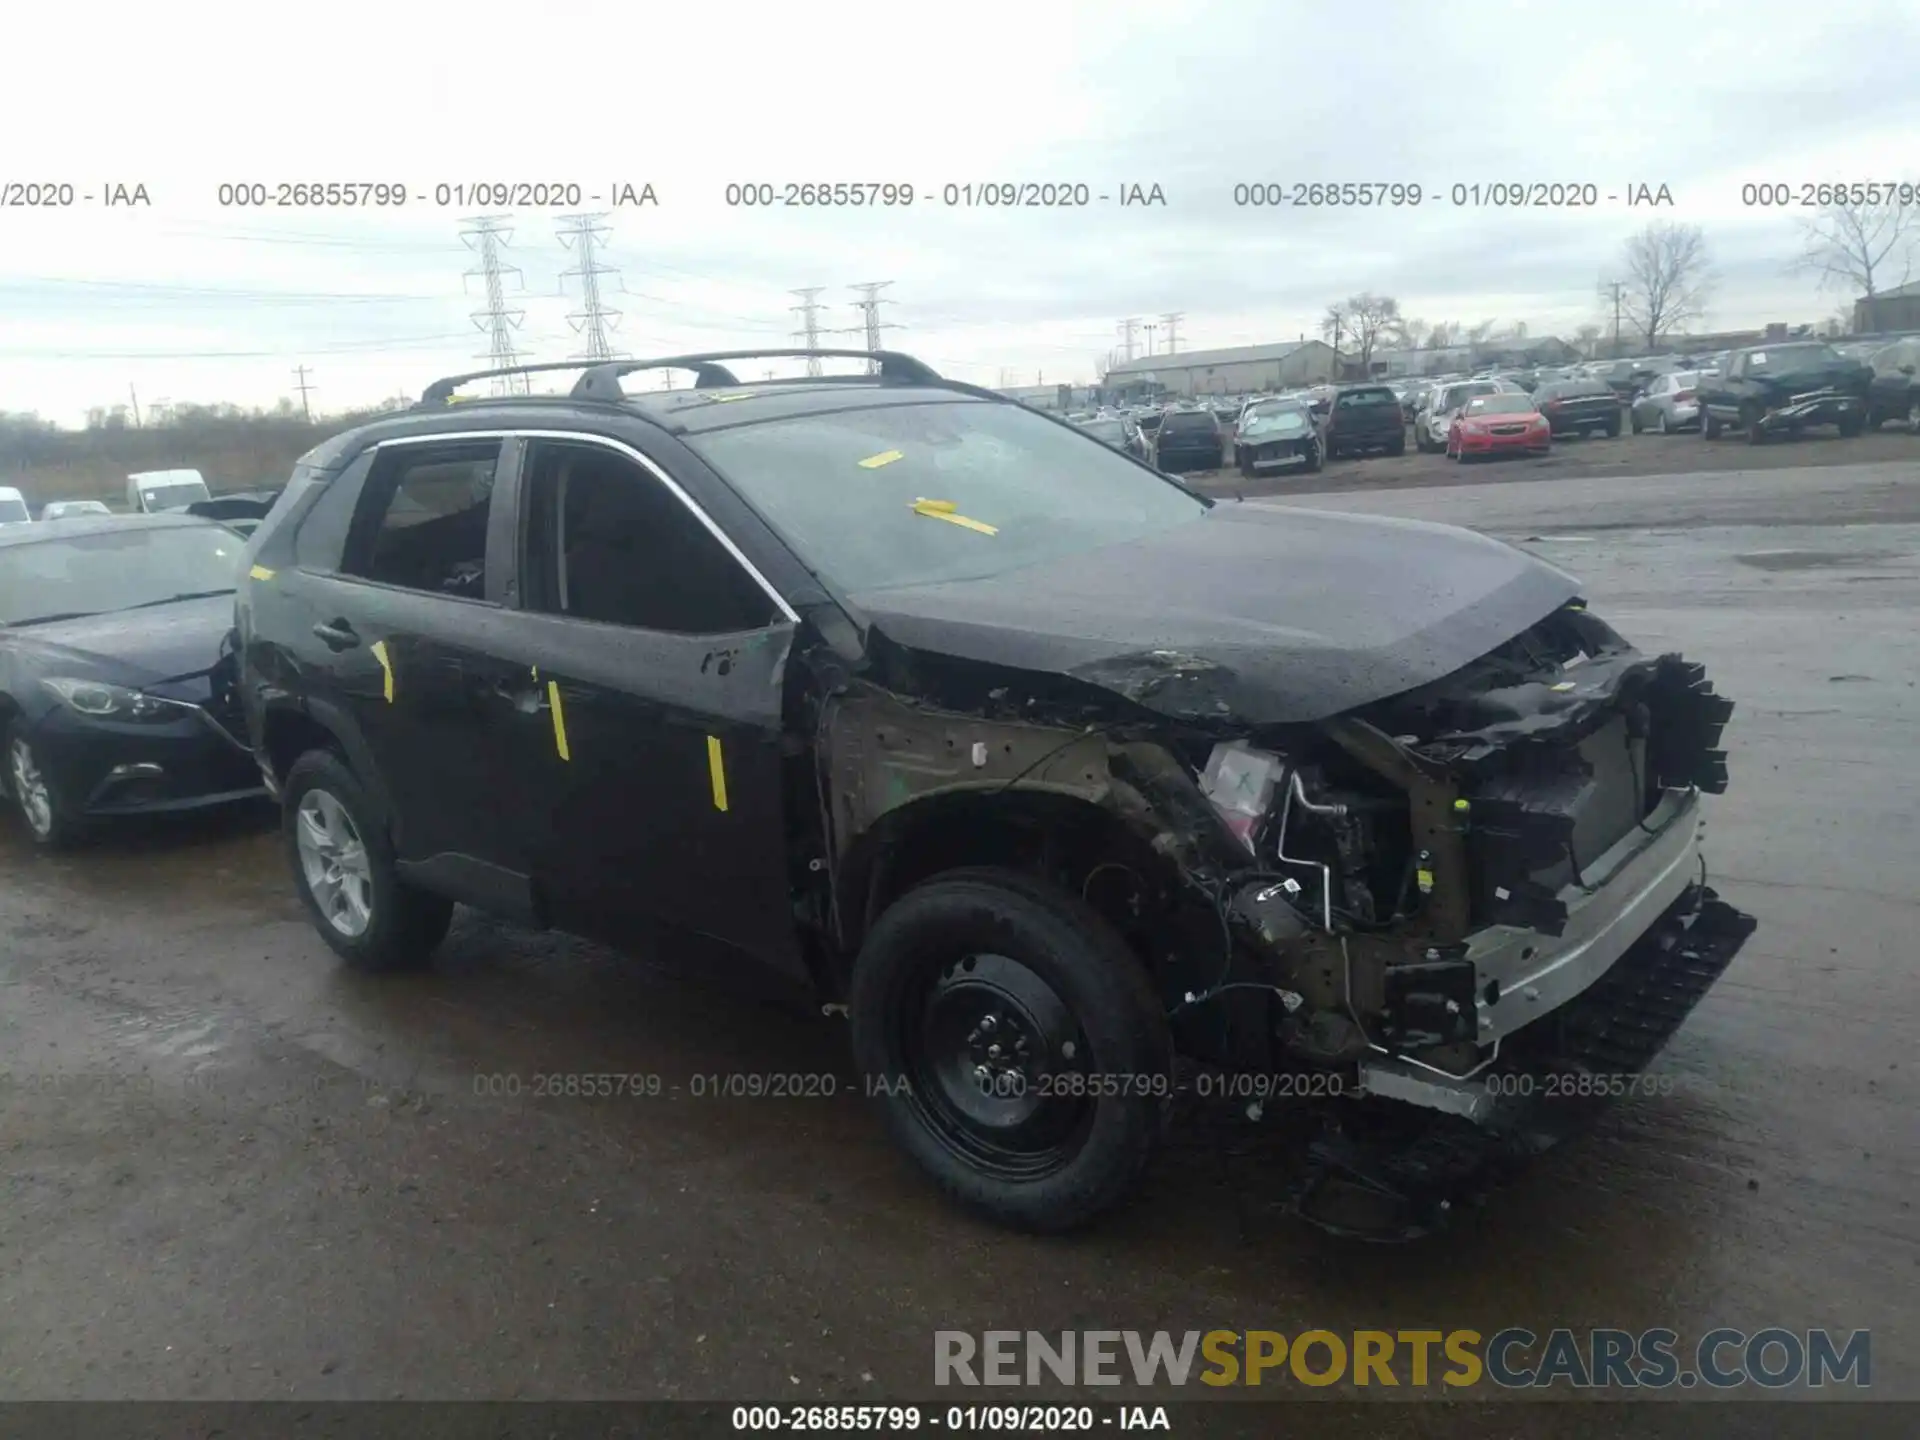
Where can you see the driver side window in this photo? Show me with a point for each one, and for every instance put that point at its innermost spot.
(422, 518)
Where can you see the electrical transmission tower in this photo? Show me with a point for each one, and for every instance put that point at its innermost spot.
(594, 317)
(487, 235)
(303, 387)
(809, 312)
(1129, 327)
(870, 309)
(1172, 323)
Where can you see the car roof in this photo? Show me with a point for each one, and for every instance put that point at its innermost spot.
(71, 526)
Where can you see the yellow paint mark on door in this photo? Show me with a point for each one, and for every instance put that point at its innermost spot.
(717, 770)
(559, 720)
(379, 648)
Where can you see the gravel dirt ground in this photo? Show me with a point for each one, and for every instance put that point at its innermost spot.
(229, 1169)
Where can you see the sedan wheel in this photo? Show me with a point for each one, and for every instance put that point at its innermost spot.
(333, 861)
(30, 789)
(1660, 423)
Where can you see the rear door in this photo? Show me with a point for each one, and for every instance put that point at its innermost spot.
(650, 658)
(403, 629)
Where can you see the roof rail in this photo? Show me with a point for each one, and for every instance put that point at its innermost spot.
(602, 382)
(602, 378)
(441, 391)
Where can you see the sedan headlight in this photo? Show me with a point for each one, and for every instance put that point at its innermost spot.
(101, 701)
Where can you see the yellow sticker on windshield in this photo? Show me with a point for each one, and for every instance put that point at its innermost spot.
(260, 572)
(944, 510)
(885, 457)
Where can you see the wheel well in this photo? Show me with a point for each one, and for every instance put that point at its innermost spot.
(1060, 838)
(289, 734)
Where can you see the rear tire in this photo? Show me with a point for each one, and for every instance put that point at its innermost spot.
(370, 917)
(1633, 417)
(1750, 422)
(1851, 429)
(1613, 428)
(1314, 460)
(1709, 426)
(985, 957)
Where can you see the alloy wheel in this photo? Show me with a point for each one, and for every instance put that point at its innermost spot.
(30, 788)
(333, 861)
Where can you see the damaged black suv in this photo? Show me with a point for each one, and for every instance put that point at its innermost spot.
(1067, 785)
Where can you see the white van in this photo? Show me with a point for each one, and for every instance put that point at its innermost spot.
(13, 507)
(152, 490)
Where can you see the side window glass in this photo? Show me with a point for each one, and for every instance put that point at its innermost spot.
(321, 541)
(608, 542)
(422, 518)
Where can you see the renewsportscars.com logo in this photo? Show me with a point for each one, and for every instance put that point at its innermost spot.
(1515, 1359)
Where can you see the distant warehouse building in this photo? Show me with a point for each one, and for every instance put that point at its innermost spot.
(1238, 371)
(1890, 311)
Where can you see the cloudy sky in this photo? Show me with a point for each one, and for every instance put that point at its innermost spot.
(187, 300)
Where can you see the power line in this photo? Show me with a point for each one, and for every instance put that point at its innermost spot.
(301, 372)
(1172, 322)
(870, 308)
(594, 318)
(809, 312)
(489, 234)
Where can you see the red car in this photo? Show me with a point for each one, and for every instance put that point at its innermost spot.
(1498, 425)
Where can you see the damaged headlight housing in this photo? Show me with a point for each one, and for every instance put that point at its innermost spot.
(100, 701)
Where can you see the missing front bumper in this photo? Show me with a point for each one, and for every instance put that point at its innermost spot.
(1401, 1181)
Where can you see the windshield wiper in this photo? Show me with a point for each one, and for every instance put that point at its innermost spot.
(49, 619)
(183, 595)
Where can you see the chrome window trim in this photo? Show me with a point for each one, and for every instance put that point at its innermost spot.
(645, 462)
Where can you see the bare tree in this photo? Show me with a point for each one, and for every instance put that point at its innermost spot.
(1443, 334)
(1667, 278)
(1855, 247)
(1411, 334)
(1370, 319)
(1588, 337)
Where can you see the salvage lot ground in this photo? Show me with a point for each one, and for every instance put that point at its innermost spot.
(228, 1169)
(1599, 459)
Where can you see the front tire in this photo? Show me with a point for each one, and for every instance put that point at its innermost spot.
(343, 867)
(50, 817)
(968, 990)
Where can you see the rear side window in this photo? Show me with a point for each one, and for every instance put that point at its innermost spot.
(1197, 424)
(422, 519)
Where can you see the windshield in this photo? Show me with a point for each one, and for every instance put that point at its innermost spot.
(167, 497)
(12, 511)
(1500, 405)
(1790, 358)
(1112, 432)
(114, 570)
(1274, 420)
(912, 494)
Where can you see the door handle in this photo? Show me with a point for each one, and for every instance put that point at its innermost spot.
(336, 635)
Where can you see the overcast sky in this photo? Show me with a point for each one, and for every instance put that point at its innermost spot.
(189, 301)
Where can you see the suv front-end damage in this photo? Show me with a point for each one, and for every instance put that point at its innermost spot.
(1406, 916)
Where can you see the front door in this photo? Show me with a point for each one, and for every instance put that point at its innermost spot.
(655, 665)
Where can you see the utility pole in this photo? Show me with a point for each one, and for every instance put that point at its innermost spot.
(870, 309)
(594, 317)
(1172, 322)
(134, 396)
(486, 235)
(1616, 316)
(809, 312)
(1127, 328)
(300, 372)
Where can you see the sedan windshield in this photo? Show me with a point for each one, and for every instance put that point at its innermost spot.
(114, 570)
(1787, 359)
(912, 494)
(1109, 432)
(169, 497)
(12, 511)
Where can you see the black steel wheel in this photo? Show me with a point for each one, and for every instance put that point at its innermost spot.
(1015, 1044)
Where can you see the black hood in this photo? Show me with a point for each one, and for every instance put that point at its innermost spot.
(1262, 616)
(131, 647)
(1849, 376)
